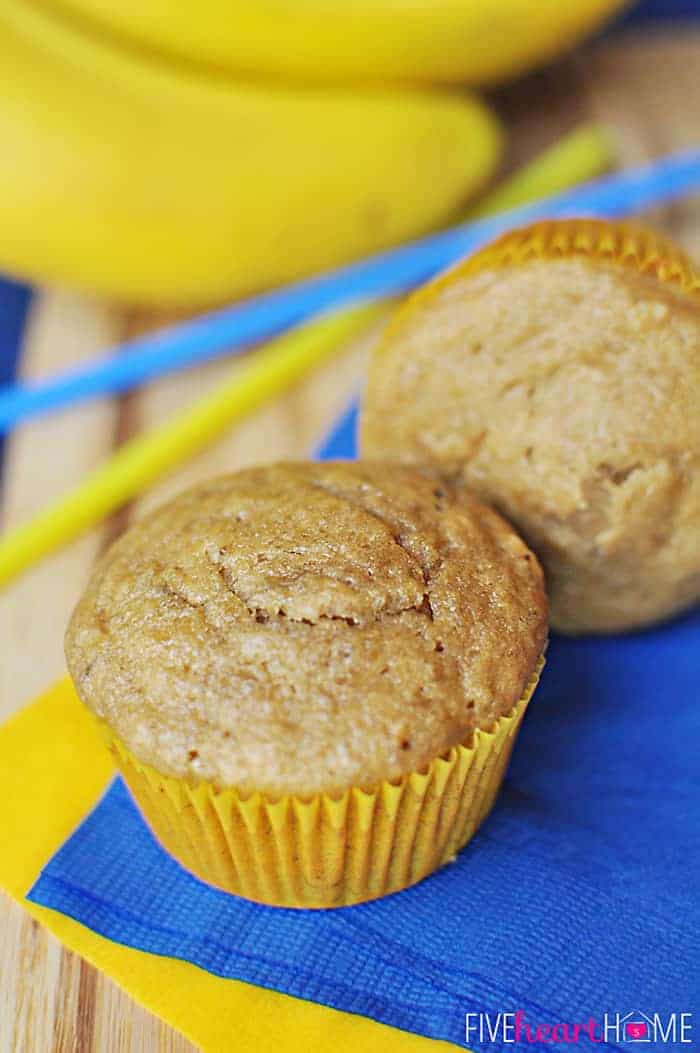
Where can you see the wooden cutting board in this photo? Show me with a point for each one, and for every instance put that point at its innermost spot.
(644, 87)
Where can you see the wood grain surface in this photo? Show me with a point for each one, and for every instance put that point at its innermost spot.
(643, 86)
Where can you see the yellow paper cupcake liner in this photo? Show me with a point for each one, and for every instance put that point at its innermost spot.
(325, 851)
(628, 245)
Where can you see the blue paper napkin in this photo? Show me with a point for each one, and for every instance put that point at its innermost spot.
(577, 903)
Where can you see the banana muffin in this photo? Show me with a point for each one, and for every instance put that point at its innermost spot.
(307, 632)
(557, 375)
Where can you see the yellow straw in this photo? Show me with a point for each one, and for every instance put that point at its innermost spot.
(581, 155)
(143, 459)
(267, 372)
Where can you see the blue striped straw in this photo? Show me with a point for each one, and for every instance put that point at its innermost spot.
(390, 273)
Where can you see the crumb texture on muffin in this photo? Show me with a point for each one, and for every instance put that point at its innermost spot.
(307, 627)
(567, 393)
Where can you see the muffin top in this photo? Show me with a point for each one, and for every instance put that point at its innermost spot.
(565, 392)
(306, 627)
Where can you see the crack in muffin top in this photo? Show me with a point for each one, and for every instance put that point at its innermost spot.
(303, 628)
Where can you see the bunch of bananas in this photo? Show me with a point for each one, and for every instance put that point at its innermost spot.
(161, 153)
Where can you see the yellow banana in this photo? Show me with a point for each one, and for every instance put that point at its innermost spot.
(130, 178)
(473, 41)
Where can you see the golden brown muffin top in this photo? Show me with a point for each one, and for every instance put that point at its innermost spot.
(566, 393)
(306, 627)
